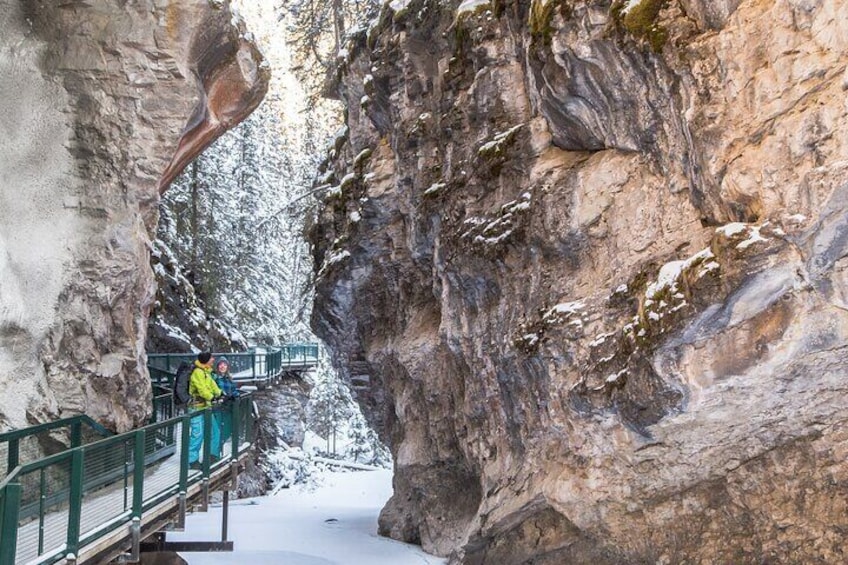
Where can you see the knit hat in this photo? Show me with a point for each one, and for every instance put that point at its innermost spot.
(204, 357)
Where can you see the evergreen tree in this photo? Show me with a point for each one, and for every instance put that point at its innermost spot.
(328, 410)
(318, 31)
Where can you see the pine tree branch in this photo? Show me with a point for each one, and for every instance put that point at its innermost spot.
(288, 205)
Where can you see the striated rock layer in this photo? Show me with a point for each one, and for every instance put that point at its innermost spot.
(101, 104)
(586, 267)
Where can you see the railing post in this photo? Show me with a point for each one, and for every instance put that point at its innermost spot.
(135, 536)
(10, 505)
(42, 497)
(184, 444)
(75, 501)
(207, 440)
(138, 474)
(76, 433)
(248, 422)
(253, 363)
(234, 427)
(13, 457)
(181, 520)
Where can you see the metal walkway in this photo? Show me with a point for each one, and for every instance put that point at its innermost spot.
(259, 366)
(99, 498)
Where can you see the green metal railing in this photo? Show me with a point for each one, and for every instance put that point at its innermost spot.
(259, 364)
(53, 506)
(20, 446)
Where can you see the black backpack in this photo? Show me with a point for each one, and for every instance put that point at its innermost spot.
(181, 381)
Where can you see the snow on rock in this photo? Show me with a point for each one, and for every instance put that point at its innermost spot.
(562, 312)
(530, 340)
(471, 6)
(434, 188)
(501, 226)
(729, 230)
(630, 5)
(670, 272)
(752, 232)
(615, 377)
(753, 237)
(338, 257)
(499, 142)
(348, 180)
(399, 5)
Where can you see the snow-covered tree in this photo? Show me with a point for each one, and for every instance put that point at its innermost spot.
(329, 409)
(318, 32)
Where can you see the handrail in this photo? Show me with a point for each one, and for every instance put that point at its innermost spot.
(74, 426)
(47, 426)
(103, 469)
(260, 364)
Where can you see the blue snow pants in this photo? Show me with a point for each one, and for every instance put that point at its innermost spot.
(195, 441)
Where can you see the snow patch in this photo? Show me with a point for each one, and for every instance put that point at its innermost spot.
(498, 142)
(753, 237)
(729, 230)
(434, 188)
(399, 5)
(615, 377)
(471, 6)
(530, 340)
(563, 311)
(670, 272)
(599, 340)
(630, 5)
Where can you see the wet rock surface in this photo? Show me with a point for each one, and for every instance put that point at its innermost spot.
(94, 103)
(584, 270)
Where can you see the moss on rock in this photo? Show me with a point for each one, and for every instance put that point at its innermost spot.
(641, 21)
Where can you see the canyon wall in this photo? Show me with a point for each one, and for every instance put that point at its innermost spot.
(585, 264)
(101, 105)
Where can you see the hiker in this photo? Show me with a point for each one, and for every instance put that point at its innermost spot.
(203, 391)
(224, 380)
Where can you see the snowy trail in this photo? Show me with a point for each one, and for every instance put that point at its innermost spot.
(296, 526)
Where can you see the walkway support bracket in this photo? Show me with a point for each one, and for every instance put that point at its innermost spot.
(134, 556)
(159, 543)
(204, 497)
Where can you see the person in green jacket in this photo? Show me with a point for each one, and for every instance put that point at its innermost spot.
(203, 391)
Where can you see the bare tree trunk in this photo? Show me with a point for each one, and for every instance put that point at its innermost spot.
(195, 194)
(338, 23)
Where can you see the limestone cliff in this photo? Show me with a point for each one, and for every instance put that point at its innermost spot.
(585, 263)
(101, 104)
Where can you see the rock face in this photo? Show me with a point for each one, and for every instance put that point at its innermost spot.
(585, 266)
(94, 102)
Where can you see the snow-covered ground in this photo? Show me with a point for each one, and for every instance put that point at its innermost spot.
(331, 522)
